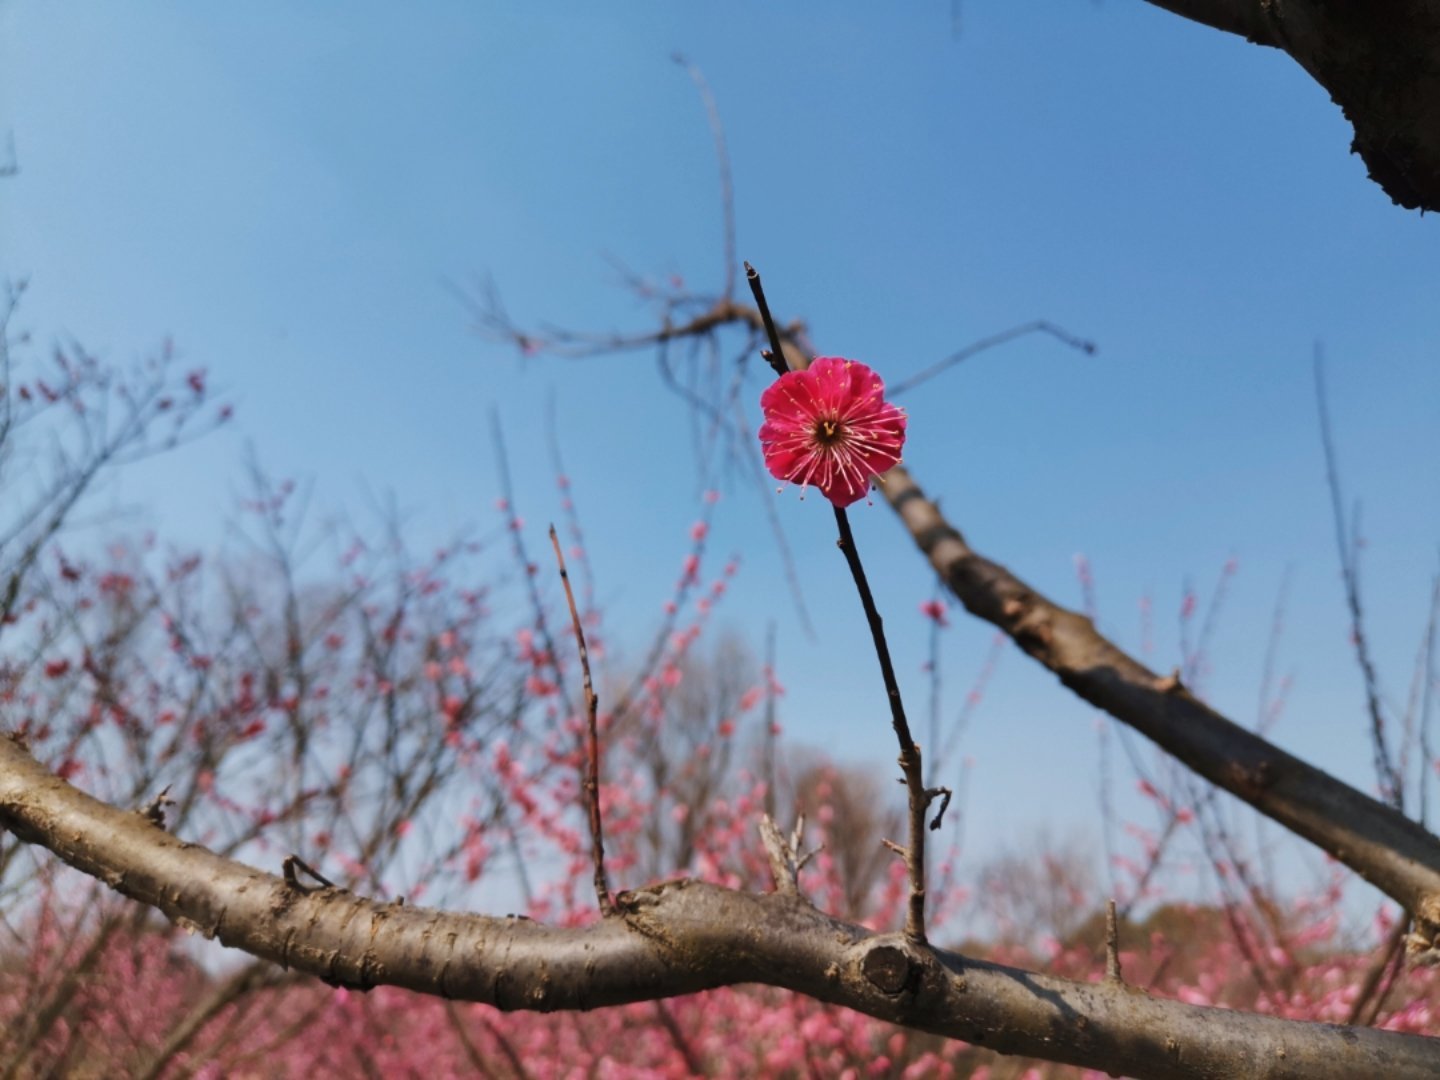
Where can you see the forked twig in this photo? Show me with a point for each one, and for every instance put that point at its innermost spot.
(786, 861)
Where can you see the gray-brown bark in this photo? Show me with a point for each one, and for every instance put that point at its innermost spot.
(671, 939)
(1382, 845)
(1379, 61)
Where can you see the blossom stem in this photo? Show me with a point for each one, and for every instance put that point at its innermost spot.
(910, 765)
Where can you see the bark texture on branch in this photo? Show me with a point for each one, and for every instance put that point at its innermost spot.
(1380, 62)
(1394, 853)
(672, 939)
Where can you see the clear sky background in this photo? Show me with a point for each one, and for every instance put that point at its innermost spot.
(286, 190)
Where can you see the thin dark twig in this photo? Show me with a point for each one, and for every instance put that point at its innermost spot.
(1272, 648)
(933, 670)
(769, 720)
(722, 155)
(467, 1044)
(627, 698)
(592, 706)
(1391, 952)
(677, 1037)
(1391, 783)
(775, 355)
(944, 794)
(1427, 702)
(943, 750)
(517, 542)
(567, 504)
(293, 866)
(910, 765)
(1392, 975)
(1112, 944)
(1038, 326)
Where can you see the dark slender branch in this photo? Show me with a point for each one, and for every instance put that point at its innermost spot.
(1112, 944)
(250, 977)
(1392, 783)
(677, 1037)
(910, 765)
(1427, 701)
(1038, 326)
(517, 541)
(933, 671)
(1392, 953)
(775, 355)
(472, 1052)
(592, 774)
(768, 735)
(722, 157)
(293, 866)
(572, 515)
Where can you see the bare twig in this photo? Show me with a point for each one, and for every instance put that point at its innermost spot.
(769, 719)
(1037, 326)
(517, 540)
(775, 355)
(677, 1037)
(472, 1052)
(592, 705)
(910, 765)
(1265, 714)
(567, 504)
(293, 866)
(1427, 701)
(1392, 784)
(783, 852)
(154, 810)
(722, 155)
(1370, 996)
(1112, 944)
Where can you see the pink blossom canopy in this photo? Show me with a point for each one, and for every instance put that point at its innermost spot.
(830, 426)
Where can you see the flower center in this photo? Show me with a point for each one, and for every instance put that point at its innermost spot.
(829, 432)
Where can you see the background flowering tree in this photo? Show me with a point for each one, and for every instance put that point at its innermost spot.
(380, 722)
(316, 745)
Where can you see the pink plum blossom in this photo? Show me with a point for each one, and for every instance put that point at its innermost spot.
(831, 426)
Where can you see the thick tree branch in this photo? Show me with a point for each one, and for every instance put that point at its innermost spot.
(1386, 848)
(1248, 18)
(677, 938)
(1379, 61)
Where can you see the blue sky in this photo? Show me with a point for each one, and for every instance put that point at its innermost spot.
(287, 190)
